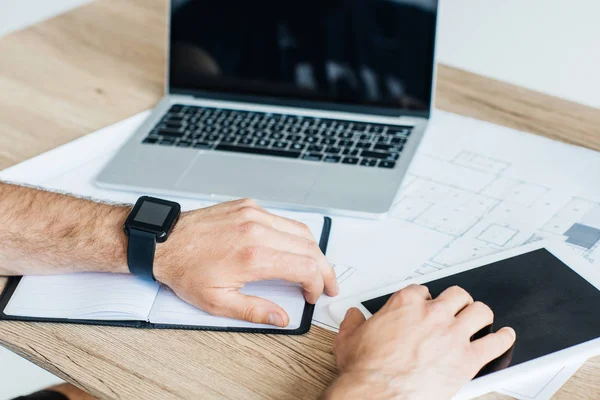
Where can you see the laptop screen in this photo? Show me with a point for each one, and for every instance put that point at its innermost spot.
(377, 53)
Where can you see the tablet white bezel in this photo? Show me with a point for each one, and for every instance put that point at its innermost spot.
(511, 375)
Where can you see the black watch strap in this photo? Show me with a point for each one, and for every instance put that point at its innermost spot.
(140, 253)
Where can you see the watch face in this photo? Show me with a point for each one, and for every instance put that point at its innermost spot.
(153, 215)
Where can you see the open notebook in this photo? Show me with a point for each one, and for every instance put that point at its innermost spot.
(123, 300)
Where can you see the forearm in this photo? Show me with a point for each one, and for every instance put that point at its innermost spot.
(361, 385)
(47, 233)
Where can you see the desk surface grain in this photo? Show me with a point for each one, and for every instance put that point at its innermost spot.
(101, 63)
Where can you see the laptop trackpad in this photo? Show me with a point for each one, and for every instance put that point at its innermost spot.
(246, 176)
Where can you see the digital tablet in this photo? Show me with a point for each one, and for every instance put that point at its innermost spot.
(544, 290)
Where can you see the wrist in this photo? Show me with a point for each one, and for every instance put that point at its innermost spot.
(166, 267)
(112, 219)
(364, 384)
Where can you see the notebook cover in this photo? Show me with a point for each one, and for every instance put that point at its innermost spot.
(303, 328)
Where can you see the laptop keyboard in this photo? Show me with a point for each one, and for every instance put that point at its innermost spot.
(281, 135)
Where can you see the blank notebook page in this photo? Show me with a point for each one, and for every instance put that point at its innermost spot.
(170, 310)
(83, 296)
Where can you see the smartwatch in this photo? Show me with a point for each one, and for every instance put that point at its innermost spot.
(150, 221)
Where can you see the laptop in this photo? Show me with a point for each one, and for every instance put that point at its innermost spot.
(314, 105)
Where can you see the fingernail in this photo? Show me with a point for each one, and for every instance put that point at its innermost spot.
(350, 311)
(512, 332)
(275, 319)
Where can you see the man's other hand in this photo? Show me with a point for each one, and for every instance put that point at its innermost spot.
(416, 347)
(213, 252)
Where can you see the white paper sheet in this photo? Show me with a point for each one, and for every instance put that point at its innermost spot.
(474, 188)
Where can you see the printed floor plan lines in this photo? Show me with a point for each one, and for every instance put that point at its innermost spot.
(480, 162)
(480, 219)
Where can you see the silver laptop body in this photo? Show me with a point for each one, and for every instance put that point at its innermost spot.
(343, 150)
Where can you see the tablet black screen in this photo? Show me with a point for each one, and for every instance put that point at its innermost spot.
(549, 305)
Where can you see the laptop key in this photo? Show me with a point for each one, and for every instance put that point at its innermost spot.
(332, 159)
(171, 119)
(259, 150)
(363, 145)
(359, 127)
(150, 140)
(263, 143)
(184, 143)
(298, 146)
(397, 131)
(311, 156)
(167, 142)
(170, 132)
(374, 154)
(229, 140)
(388, 147)
(348, 152)
(386, 164)
(246, 141)
(368, 162)
(203, 146)
(350, 160)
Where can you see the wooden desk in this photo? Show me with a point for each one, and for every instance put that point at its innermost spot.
(94, 66)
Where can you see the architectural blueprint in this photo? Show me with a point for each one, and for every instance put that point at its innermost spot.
(505, 213)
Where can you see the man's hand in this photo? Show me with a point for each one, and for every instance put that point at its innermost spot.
(416, 347)
(213, 252)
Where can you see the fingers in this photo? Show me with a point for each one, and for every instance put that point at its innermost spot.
(233, 304)
(250, 210)
(289, 243)
(409, 294)
(266, 263)
(474, 318)
(353, 319)
(455, 299)
(492, 346)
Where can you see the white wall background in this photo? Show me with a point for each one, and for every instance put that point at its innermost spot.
(552, 46)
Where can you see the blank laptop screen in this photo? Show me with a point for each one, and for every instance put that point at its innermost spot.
(375, 53)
